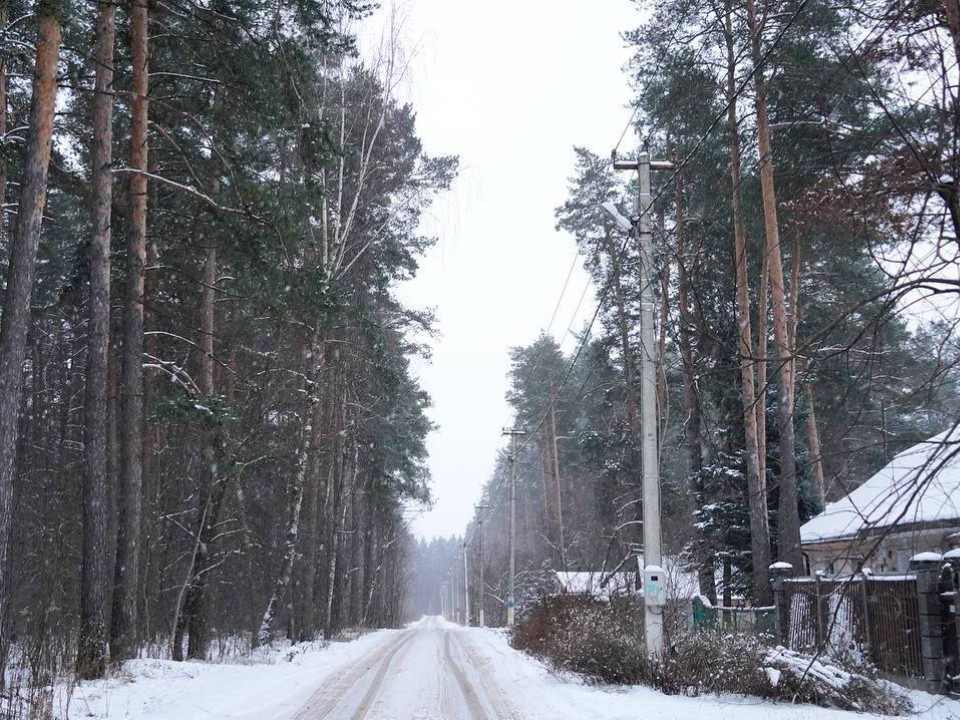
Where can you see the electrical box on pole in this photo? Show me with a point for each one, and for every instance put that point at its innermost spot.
(654, 587)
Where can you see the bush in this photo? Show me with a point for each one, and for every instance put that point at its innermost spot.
(605, 643)
(830, 683)
(713, 662)
(602, 641)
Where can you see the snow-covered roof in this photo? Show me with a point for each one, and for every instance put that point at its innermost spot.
(589, 583)
(681, 584)
(920, 485)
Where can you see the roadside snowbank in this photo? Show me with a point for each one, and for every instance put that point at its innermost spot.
(272, 686)
(536, 693)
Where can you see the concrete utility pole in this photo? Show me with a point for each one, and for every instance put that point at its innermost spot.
(558, 495)
(511, 586)
(653, 574)
(455, 591)
(482, 591)
(454, 610)
(466, 588)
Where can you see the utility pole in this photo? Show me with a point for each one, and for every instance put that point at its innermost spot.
(558, 497)
(454, 610)
(466, 588)
(653, 574)
(482, 591)
(455, 591)
(511, 586)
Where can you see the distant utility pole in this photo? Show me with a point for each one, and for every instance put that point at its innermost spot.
(455, 591)
(466, 588)
(454, 610)
(511, 586)
(557, 495)
(653, 580)
(482, 591)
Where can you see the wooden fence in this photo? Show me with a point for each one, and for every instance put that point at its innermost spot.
(752, 620)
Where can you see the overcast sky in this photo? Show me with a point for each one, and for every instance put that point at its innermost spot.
(510, 86)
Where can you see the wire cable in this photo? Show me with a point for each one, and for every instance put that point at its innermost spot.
(617, 258)
(645, 211)
(563, 291)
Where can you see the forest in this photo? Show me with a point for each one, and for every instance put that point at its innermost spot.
(212, 432)
(209, 428)
(806, 296)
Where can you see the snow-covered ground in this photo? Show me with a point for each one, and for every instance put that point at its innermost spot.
(273, 687)
(431, 671)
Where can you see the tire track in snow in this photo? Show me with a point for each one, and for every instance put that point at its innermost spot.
(333, 693)
(376, 685)
(469, 693)
(492, 691)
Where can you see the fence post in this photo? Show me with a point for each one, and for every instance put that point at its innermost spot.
(818, 608)
(867, 609)
(927, 567)
(951, 558)
(779, 572)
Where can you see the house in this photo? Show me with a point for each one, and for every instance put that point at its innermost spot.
(911, 505)
(681, 583)
(598, 585)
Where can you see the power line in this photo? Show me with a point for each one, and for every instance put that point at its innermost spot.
(633, 115)
(563, 291)
(617, 258)
(679, 168)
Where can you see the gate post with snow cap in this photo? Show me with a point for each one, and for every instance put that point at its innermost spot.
(951, 562)
(927, 567)
(780, 571)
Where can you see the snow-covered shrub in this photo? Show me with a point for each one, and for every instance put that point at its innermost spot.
(714, 662)
(600, 640)
(830, 682)
(708, 661)
(604, 642)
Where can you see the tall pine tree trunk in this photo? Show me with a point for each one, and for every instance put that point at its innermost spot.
(92, 653)
(213, 486)
(763, 331)
(124, 621)
(756, 480)
(289, 551)
(693, 437)
(813, 442)
(311, 513)
(788, 523)
(151, 490)
(794, 314)
(25, 242)
(626, 351)
(4, 12)
(309, 435)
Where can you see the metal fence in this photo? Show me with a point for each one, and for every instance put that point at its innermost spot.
(758, 621)
(873, 617)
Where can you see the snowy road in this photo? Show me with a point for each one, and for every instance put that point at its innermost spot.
(427, 671)
(432, 670)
